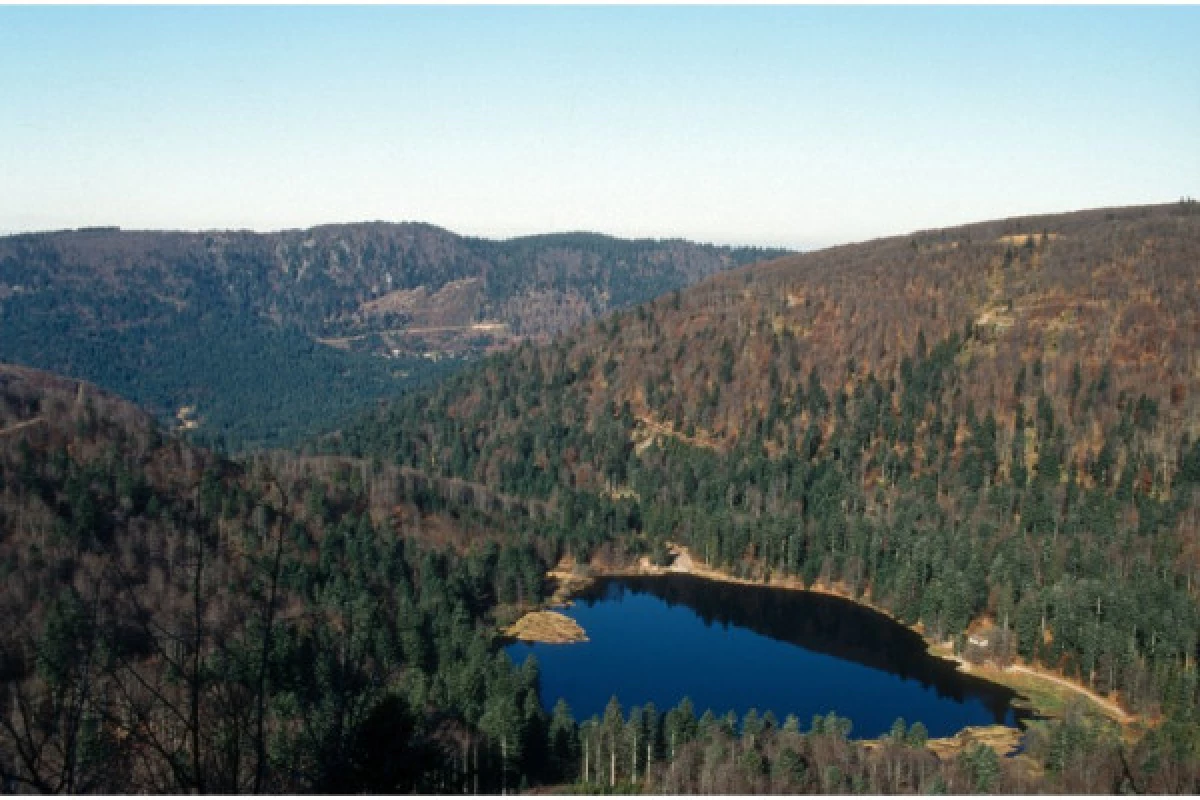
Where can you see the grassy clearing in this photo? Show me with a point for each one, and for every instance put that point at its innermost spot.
(548, 627)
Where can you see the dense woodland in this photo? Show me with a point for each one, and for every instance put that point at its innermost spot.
(989, 426)
(1013, 443)
(183, 623)
(187, 623)
(273, 337)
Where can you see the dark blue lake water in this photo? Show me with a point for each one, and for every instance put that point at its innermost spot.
(727, 646)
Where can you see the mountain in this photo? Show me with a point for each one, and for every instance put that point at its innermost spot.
(986, 427)
(257, 338)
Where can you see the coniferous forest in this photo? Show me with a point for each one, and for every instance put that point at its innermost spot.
(992, 427)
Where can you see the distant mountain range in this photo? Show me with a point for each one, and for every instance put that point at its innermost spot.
(257, 338)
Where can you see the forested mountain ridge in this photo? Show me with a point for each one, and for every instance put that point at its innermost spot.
(268, 335)
(344, 279)
(1084, 319)
(992, 426)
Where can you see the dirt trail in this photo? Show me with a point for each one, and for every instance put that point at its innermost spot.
(22, 425)
(476, 327)
(1108, 705)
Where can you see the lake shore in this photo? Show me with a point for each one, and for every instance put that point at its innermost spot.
(1045, 691)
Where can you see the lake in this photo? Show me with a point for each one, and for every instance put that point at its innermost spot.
(730, 646)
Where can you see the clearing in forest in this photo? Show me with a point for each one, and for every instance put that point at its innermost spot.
(548, 627)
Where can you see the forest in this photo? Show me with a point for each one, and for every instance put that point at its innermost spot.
(1014, 444)
(271, 338)
(1014, 447)
(292, 624)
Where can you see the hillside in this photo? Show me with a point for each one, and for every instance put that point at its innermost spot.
(1083, 320)
(259, 338)
(989, 427)
(180, 623)
(177, 622)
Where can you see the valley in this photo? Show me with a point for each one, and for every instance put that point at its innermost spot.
(896, 494)
(561, 400)
(964, 459)
(273, 337)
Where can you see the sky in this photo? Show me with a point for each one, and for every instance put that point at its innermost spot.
(789, 126)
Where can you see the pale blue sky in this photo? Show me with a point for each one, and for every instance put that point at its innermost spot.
(794, 126)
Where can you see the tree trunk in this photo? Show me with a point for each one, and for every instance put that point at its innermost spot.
(466, 765)
(198, 618)
(633, 754)
(261, 734)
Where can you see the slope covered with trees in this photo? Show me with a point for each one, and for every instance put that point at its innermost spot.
(268, 337)
(991, 426)
(176, 622)
(180, 622)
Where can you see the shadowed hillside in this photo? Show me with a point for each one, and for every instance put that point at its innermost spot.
(177, 622)
(259, 338)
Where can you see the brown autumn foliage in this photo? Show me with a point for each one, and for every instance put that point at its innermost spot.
(145, 590)
(1115, 292)
(1082, 325)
